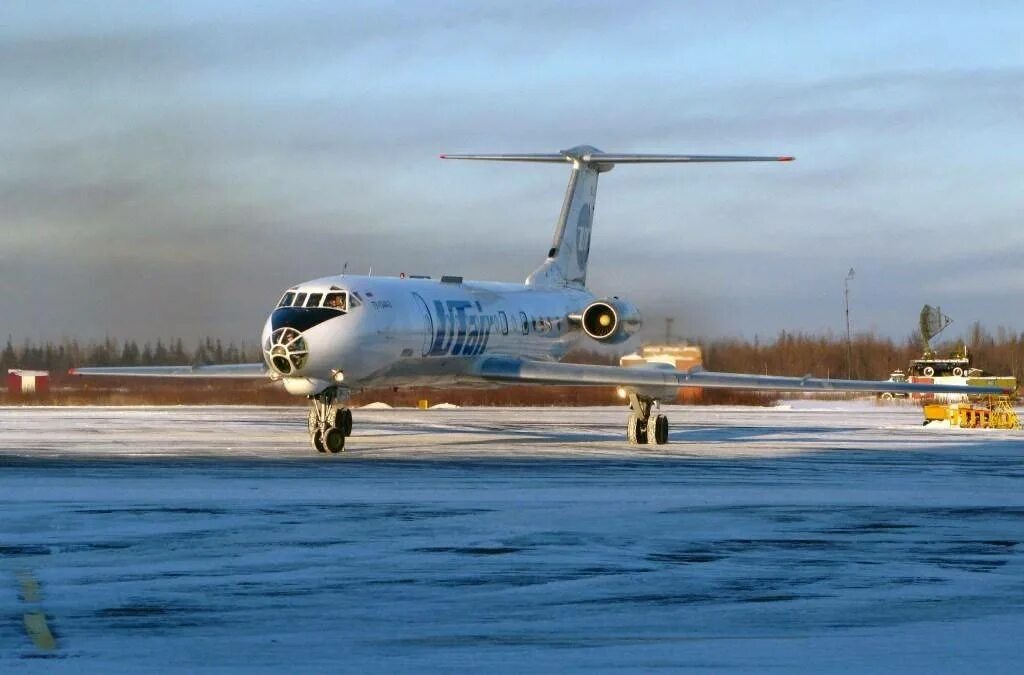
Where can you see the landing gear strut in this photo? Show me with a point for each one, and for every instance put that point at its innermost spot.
(643, 427)
(329, 421)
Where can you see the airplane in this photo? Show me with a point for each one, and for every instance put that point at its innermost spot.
(331, 336)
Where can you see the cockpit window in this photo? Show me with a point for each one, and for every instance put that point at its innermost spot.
(286, 301)
(337, 301)
(300, 300)
(314, 299)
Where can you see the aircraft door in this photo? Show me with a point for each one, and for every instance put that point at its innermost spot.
(428, 324)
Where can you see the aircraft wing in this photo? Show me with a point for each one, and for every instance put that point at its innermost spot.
(232, 370)
(512, 370)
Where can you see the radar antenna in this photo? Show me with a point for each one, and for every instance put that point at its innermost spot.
(933, 322)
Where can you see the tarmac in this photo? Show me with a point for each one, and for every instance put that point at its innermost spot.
(809, 536)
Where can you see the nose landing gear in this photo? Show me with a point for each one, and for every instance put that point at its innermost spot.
(329, 421)
(643, 427)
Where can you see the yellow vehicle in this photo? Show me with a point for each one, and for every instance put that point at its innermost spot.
(996, 412)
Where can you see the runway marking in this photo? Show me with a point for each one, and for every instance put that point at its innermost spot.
(29, 588)
(39, 631)
(35, 622)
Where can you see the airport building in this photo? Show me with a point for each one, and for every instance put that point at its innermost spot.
(680, 357)
(28, 382)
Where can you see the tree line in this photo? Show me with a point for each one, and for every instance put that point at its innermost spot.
(57, 357)
(788, 353)
(868, 356)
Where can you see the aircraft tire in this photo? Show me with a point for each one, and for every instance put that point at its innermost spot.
(635, 431)
(334, 440)
(343, 420)
(651, 431)
(958, 371)
(661, 430)
(316, 439)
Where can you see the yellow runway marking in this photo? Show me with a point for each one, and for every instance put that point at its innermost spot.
(39, 631)
(35, 622)
(29, 588)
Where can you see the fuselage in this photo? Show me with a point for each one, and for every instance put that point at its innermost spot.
(410, 331)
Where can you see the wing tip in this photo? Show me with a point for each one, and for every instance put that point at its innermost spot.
(786, 159)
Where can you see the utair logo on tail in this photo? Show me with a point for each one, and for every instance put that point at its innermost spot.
(334, 335)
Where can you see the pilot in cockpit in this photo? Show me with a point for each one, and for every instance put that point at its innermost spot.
(336, 301)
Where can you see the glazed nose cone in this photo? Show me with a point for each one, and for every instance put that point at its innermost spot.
(285, 351)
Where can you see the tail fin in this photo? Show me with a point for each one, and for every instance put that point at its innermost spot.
(566, 264)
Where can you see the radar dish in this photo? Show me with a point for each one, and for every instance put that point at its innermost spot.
(933, 322)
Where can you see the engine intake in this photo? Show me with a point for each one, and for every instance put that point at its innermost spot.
(610, 320)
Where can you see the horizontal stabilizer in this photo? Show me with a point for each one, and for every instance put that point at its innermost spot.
(589, 155)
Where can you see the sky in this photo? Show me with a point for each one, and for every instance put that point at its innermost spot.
(170, 168)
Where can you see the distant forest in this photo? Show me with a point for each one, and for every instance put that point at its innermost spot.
(786, 354)
(873, 357)
(795, 354)
(70, 353)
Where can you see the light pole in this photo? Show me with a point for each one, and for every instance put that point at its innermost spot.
(849, 344)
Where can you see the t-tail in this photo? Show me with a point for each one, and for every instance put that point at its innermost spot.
(566, 263)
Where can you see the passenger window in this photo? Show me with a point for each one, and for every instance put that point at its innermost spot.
(526, 323)
(286, 301)
(336, 301)
(503, 323)
(314, 299)
(300, 300)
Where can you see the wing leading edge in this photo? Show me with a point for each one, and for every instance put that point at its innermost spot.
(502, 369)
(232, 370)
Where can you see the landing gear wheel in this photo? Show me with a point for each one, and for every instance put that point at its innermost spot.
(887, 396)
(328, 421)
(958, 371)
(650, 432)
(343, 420)
(657, 430)
(660, 430)
(636, 430)
(334, 440)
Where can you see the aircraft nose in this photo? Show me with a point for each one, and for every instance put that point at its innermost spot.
(286, 351)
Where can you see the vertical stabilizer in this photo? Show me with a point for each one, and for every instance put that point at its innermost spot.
(566, 263)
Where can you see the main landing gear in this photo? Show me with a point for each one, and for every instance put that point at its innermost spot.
(643, 427)
(330, 423)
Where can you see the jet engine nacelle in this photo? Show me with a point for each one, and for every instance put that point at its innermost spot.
(610, 320)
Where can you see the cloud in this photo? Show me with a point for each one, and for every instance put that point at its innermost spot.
(199, 159)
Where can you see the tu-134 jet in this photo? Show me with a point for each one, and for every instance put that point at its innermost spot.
(331, 336)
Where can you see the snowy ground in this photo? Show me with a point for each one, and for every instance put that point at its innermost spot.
(818, 537)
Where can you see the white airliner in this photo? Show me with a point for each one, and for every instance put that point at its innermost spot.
(331, 336)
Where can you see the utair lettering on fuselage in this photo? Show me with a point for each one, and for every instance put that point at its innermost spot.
(460, 328)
